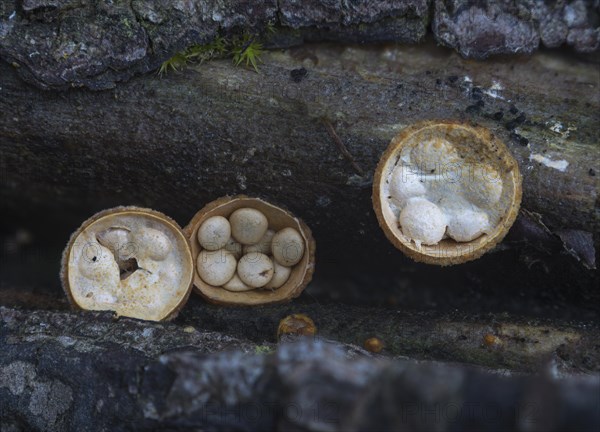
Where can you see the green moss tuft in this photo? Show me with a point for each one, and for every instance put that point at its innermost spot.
(175, 63)
(247, 51)
(195, 53)
(244, 49)
(263, 349)
(202, 53)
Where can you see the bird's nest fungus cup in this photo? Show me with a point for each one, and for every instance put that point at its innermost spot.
(445, 193)
(249, 252)
(133, 261)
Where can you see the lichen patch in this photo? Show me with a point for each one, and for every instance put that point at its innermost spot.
(560, 165)
(16, 376)
(49, 400)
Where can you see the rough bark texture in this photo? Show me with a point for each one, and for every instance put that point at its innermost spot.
(73, 43)
(480, 29)
(64, 371)
(523, 344)
(67, 43)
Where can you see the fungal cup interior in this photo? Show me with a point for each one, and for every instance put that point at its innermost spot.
(447, 190)
(278, 220)
(132, 263)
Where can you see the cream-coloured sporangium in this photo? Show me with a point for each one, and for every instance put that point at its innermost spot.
(216, 267)
(248, 225)
(255, 269)
(235, 284)
(280, 276)
(214, 233)
(288, 247)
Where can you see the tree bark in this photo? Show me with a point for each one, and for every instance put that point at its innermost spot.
(62, 371)
(73, 43)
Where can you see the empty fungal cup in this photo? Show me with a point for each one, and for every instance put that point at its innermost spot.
(249, 252)
(130, 260)
(445, 193)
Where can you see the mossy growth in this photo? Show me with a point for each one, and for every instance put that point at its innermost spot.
(247, 50)
(244, 49)
(195, 53)
(264, 349)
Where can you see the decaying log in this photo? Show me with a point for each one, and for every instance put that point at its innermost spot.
(494, 340)
(176, 143)
(68, 371)
(520, 344)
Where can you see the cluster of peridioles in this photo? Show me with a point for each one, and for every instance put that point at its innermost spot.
(242, 253)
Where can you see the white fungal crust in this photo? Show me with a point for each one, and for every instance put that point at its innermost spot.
(216, 267)
(423, 221)
(466, 225)
(288, 247)
(255, 269)
(433, 154)
(156, 244)
(248, 225)
(214, 233)
(466, 195)
(486, 188)
(406, 183)
(135, 262)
